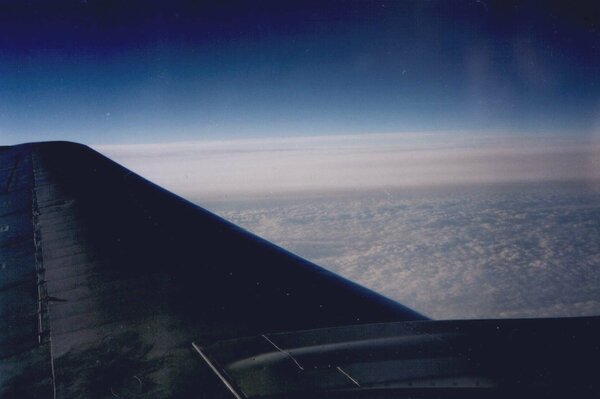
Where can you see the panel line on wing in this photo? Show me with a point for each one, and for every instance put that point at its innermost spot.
(43, 306)
(348, 376)
(288, 354)
(217, 372)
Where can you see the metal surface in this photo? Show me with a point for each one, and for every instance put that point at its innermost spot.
(217, 372)
(106, 279)
(537, 358)
(25, 359)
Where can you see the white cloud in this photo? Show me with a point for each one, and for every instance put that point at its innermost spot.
(484, 252)
(265, 167)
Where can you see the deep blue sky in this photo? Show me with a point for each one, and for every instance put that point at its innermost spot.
(144, 71)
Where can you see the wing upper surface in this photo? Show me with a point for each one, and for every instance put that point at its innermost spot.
(113, 287)
(107, 279)
(532, 358)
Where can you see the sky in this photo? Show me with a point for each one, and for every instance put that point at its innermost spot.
(444, 153)
(110, 72)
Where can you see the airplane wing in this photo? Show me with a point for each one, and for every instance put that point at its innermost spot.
(113, 287)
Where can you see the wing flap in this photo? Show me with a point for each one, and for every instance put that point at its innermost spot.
(431, 359)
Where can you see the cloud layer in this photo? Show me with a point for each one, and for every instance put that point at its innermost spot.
(502, 251)
(266, 167)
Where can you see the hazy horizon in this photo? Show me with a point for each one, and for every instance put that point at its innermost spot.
(316, 165)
